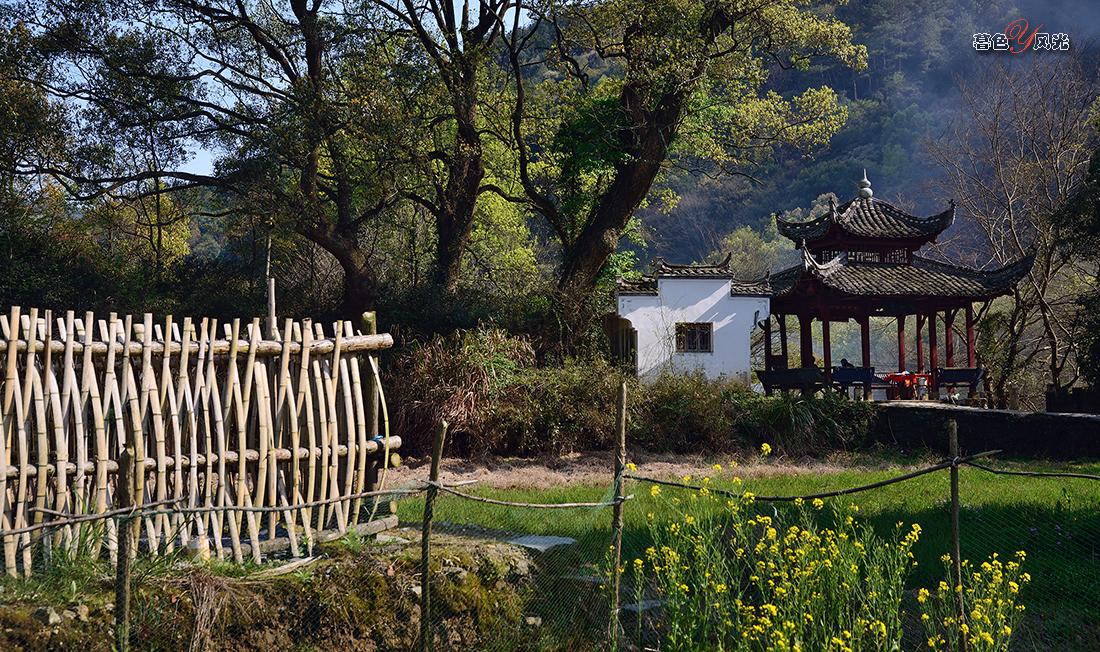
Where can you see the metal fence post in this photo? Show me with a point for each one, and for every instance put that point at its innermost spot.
(126, 531)
(956, 557)
(617, 512)
(425, 547)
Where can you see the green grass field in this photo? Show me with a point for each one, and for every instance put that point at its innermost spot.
(1056, 521)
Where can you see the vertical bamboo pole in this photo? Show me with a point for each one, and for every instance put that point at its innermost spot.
(7, 436)
(305, 403)
(617, 511)
(216, 407)
(113, 392)
(956, 557)
(240, 404)
(23, 400)
(151, 415)
(332, 382)
(270, 293)
(247, 431)
(426, 642)
(363, 466)
(60, 484)
(170, 407)
(41, 424)
(287, 419)
(67, 490)
(267, 449)
(214, 430)
(82, 429)
(137, 402)
(101, 407)
(185, 399)
(349, 433)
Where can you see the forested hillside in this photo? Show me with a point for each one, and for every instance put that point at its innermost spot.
(916, 50)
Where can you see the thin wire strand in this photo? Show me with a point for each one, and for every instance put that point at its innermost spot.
(829, 494)
(1036, 474)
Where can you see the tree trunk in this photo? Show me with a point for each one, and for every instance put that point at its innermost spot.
(360, 280)
(456, 206)
(646, 136)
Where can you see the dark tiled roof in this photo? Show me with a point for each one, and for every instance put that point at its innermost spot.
(923, 278)
(761, 287)
(647, 285)
(721, 271)
(783, 282)
(868, 217)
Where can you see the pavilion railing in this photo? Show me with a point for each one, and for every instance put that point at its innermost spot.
(216, 426)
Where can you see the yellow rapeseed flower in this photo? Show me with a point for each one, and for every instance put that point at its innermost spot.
(765, 449)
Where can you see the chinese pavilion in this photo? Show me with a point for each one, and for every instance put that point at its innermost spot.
(859, 260)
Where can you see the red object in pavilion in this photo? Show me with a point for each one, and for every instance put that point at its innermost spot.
(859, 260)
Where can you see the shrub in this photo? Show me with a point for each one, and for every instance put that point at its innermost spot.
(686, 413)
(804, 425)
(485, 384)
(488, 386)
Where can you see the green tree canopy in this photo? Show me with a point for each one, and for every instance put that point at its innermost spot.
(683, 85)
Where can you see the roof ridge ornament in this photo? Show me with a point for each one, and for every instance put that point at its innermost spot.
(865, 186)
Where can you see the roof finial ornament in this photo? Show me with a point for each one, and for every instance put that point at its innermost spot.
(865, 186)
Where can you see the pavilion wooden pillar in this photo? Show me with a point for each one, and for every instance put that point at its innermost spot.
(783, 341)
(806, 340)
(949, 338)
(920, 343)
(901, 342)
(865, 337)
(970, 336)
(768, 343)
(933, 353)
(826, 346)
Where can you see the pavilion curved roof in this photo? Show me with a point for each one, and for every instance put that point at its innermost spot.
(925, 277)
(869, 218)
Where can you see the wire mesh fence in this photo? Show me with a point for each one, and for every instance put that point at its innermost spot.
(505, 573)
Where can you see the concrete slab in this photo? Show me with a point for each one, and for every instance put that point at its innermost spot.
(646, 605)
(542, 544)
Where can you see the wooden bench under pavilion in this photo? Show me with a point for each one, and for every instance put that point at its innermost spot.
(859, 260)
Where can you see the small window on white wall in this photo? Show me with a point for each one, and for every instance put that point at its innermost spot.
(694, 337)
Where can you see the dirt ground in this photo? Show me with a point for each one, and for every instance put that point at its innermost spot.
(596, 468)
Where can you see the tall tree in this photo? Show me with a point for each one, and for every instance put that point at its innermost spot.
(455, 50)
(1012, 156)
(684, 84)
(254, 79)
(1078, 224)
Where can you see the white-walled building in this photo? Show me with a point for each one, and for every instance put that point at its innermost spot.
(687, 318)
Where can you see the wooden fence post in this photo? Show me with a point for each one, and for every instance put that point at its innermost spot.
(425, 547)
(128, 527)
(617, 512)
(956, 558)
(370, 327)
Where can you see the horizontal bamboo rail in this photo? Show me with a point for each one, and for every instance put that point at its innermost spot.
(281, 454)
(220, 424)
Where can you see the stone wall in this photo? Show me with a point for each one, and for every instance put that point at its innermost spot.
(919, 424)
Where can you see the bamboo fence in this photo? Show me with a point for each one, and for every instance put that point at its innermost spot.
(218, 426)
